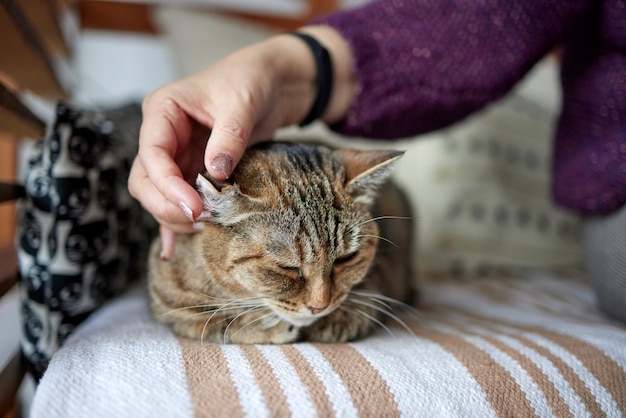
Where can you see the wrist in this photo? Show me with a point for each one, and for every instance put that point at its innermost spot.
(344, 83)
(294, 76)
(294, 67)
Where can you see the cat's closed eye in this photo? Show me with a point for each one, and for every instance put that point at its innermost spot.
(344, 259)
(293, 271)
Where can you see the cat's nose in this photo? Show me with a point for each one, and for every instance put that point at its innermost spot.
(316, 309)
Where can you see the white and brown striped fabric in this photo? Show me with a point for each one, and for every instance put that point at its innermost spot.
(510, 347)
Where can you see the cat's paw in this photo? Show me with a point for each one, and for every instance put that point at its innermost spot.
(338, 327)
(281, 333)
(285, 334)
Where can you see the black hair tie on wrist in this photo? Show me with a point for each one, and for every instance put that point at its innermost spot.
(324, 70)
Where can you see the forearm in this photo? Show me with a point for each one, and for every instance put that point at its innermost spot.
(421, 67)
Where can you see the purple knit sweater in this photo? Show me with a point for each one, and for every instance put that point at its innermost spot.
(424, 64)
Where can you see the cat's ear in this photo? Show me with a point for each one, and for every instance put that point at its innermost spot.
(224, 203)
(366, 171)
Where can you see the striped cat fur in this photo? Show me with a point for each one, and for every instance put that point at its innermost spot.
(303, 243)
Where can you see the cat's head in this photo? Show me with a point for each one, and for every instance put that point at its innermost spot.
(293, 225)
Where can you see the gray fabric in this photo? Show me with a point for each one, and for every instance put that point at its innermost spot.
(604, 243)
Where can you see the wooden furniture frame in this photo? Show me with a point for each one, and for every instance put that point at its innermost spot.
(12, 374)
(136, 16)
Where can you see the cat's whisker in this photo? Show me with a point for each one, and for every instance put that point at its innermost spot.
(206, 324)
(222, 309)
(204, 306)
(389, 300)
(262, 317)
(228, 318)
(272, 321)
(384, 312)
(378, 218)
(390, 303)
(234, 299)
(214, 297)
(387, 312)
(378, 237)
(373, 319)
(184, 308)
(373, 298)
(188, 286)
(256, 308)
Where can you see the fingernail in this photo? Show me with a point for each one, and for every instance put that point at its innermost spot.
(197, 226)
(204, 216)
(223, 163)
(186, 210)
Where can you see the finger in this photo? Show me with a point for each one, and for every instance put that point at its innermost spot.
(187, 228)
(141, 187)
(168, 237)
(227, 143)
(166, 128)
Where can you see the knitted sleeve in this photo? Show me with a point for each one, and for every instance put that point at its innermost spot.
(424, 64)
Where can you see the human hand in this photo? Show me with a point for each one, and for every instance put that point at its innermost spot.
(207, 120)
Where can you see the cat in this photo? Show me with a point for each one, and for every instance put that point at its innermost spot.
(295, 247)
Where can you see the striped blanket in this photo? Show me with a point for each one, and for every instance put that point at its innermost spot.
(509, 347)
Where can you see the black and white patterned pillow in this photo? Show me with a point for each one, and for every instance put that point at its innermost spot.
(81, 237)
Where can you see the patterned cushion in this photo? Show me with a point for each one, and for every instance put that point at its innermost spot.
(80, 234)
(482, 189)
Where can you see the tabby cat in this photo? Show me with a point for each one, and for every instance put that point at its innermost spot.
(295, 246)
